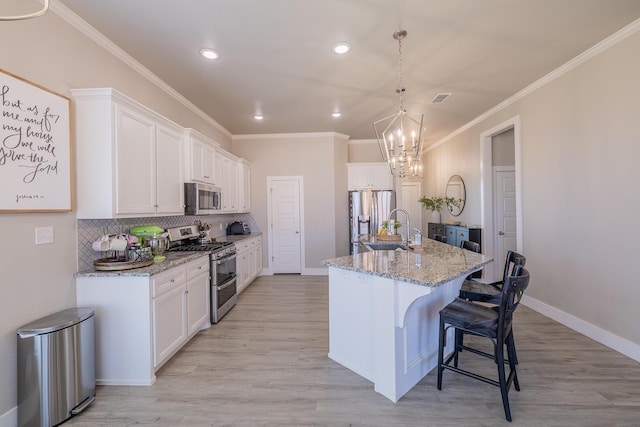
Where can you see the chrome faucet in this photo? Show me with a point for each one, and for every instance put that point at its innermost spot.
(406, 242)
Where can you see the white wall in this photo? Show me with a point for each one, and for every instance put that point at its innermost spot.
(38, 280)
(580, 152)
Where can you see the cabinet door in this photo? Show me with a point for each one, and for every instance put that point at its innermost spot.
(136, 163)
(246, 188)
(258, 266)
(197, 302)
(202, 162)
(169, 323)
(380, 177)
(451, 235)
(229, 185)
(170, 184)
(357, 177)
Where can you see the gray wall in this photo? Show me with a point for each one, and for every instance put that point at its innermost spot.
(38, 280)
(320, 159)
(580, 151)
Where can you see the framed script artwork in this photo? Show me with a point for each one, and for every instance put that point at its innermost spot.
(35, 148)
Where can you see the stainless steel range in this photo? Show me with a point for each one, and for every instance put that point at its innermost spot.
(222, 264)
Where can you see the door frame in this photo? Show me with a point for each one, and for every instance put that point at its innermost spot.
(486, 190)
(270, 180)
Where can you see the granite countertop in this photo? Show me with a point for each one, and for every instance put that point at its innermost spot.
(433, 266)
(173, 259)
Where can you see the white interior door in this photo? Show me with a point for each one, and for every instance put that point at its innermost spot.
(505, 215)
(285, 230)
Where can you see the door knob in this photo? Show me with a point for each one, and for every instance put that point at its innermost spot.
(501, 233)
(297, 232)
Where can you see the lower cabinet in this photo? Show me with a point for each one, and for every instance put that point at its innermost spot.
(249, 260)
(455, 233)
(142, 321)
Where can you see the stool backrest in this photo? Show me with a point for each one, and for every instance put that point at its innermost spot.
(440, 238)
(470, 246)
(512, 291)
(513, 261)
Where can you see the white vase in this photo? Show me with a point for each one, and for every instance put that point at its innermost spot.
(434, 217)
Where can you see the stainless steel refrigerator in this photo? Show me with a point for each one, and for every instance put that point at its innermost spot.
(367, 210)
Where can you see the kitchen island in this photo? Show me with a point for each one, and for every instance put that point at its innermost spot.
(383, 311)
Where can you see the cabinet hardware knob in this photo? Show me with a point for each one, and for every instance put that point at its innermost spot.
(501, 233)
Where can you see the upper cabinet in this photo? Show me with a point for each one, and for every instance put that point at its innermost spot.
(245, 178)
(129, 160)
(200, 158)
(369, 176)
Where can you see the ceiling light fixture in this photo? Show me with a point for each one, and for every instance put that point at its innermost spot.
(210, 53)
(258, 117)
(400, 134)
(336, 114)
(341, 48)
(28, 15)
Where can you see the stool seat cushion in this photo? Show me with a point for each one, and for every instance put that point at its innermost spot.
(471, 317)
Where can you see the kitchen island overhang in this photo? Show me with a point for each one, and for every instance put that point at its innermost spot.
(383, 311)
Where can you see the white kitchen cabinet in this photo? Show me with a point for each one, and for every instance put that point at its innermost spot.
(129, 159)
(200, 158)
(198, 289)
(249, 260)
(245, 179)
(369, 176)
(230, 190)
(143, 321)
(169, 320)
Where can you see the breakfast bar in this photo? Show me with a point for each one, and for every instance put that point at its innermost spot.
(383, 310)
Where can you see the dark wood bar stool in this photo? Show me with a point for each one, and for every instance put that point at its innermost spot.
(473, 247)
(467, 317)
(440, 238)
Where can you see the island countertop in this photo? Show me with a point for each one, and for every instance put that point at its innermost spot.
(433, 266)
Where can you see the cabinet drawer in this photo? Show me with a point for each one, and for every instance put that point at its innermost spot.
(168, 280)
(197, 267)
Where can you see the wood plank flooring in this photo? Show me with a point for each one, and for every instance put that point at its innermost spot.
(266, 364)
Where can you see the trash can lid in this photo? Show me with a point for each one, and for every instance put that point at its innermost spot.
(56, 321)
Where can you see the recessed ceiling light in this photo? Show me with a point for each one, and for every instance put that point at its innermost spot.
(341, 48)
(336, 114)
(258, 117)
(210, 53)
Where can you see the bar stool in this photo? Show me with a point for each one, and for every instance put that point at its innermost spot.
(473, 247)
(440, 238)
(467, 317)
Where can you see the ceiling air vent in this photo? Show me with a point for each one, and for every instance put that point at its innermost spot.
(440, 98)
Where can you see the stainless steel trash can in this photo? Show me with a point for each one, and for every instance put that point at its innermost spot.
(56, 367)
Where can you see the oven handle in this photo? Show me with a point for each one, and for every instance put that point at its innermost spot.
(225, 259)
(226, 285)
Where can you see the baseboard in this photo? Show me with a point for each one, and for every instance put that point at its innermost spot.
(9, 418)
(322, 271)
(613, 341)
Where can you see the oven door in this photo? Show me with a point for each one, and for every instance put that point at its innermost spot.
(223, 287)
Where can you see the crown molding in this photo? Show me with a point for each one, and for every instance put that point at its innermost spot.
(362, 141)
(83, 26)
(593, 51)
(290, 136)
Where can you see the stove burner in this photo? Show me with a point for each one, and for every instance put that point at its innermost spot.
(201, 247)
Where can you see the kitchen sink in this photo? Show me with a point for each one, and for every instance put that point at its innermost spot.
(384, 246)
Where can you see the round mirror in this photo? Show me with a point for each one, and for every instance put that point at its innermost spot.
(456, 195)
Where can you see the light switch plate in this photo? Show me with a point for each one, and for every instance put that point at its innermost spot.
(44, 235)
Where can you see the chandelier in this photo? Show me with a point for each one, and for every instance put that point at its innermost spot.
(28, 15)
(400, 134)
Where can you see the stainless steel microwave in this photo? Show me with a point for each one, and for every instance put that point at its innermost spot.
(201, 199)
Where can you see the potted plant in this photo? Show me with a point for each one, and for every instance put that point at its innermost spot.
(385, 228)
(435, 204)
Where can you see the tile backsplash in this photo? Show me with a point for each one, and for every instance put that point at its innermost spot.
(90, 230)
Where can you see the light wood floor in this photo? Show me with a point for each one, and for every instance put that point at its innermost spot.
(266, 364)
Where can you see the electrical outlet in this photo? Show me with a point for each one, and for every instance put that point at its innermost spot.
(44, 235)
